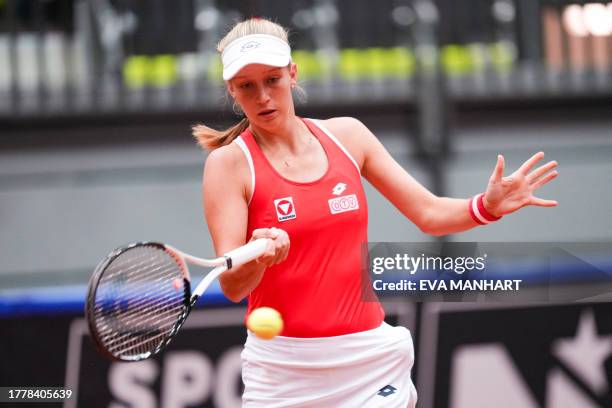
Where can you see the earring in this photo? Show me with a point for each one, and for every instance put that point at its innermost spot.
(236, 109)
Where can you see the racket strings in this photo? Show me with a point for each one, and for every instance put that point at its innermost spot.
(138, 301)
(140, 292)
(134, 328)
(137, 320)
(142, 343)
(148, 327)
(136, 323)
(138, 306)
(130, 340)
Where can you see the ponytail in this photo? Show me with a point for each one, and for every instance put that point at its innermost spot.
(210, 139)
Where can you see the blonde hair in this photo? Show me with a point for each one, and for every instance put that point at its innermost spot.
(207, 137)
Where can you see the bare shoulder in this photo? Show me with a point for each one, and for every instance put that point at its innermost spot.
(352, 133)
(226, 156)
(345, 125)
(228, 166)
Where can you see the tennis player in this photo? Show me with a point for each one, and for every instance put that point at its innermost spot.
(298, 182)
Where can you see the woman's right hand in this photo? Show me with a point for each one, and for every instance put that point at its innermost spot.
(277, 249)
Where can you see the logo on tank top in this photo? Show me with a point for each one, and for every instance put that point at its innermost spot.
(285, 210)
(339, 189)
(343, 204)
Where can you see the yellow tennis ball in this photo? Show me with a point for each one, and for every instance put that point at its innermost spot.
(265, 322)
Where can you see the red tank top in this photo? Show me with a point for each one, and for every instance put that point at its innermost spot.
(318, 288)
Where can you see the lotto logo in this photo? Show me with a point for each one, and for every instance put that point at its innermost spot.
(386, 391)
(284, 208)
(249, 46)
(343, 204)
(339, 189)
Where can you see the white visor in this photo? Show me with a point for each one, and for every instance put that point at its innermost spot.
(254, 49)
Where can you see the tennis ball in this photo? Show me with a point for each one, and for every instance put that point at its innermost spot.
(135, 70)
(456, 59)
(163, 70)
(265, 322)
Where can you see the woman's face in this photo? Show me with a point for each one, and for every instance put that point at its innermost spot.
(264, 93)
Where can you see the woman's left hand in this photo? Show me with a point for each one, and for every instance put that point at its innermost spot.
(506, 195)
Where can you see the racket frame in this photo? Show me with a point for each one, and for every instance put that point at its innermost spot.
(236, 257)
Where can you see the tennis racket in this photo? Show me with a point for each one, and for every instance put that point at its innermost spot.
(140, 295)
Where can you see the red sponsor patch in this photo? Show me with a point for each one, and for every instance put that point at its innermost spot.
(285, 210)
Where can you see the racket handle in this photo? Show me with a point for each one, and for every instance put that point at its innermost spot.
(246, 253)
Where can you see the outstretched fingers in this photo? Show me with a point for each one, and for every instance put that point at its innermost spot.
(532, 161)
(498, 172)
(543, 180)
(540, 202)
(540, 171)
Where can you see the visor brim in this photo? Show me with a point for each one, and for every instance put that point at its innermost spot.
(273, 60)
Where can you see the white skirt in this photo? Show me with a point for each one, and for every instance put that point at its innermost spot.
(365, 369)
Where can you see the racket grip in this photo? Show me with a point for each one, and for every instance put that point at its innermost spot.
(246, 253)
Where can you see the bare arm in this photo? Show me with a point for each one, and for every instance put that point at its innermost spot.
(432, 214)
(225, 190)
